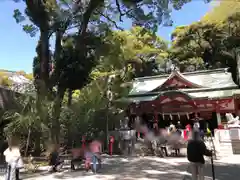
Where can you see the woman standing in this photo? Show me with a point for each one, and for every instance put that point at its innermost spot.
(196, 150)
(12, 157)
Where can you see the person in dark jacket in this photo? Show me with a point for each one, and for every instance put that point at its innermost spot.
(54, 159)
(196, 149)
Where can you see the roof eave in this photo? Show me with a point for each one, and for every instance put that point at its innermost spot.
(185, 90)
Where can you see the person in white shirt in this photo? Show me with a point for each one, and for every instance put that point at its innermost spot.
(12, 157)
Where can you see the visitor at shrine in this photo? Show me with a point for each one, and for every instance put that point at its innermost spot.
(88, 158)
(54, 159)
(171, 128)
(13, 160)
(187, 131)
(77, 156)
(196, 150)
(163, 141)
(178, 128)
(188, 127)
(95, 148)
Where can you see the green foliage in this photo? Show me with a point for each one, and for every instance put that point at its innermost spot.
(222, 10)
(214, 40)
(23, 118)
(92, 43)
(134, 53)
(54, 12)
(29, 76)
(26, 123)
(206, 40)
(4, 80)
(72, 73)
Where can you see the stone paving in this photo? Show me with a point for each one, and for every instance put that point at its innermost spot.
(147, 168)
(143, 168)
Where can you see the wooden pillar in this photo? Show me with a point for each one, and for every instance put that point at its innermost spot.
(218, 118)
(218, 113)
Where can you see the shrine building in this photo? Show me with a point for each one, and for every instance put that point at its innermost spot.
(164, 99)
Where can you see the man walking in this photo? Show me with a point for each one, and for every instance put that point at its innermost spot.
(196, 149)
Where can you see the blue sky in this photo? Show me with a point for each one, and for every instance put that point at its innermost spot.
(18, 48)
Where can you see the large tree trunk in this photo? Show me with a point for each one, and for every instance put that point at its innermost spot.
(55, 129)
(39, 15)
(44, 62)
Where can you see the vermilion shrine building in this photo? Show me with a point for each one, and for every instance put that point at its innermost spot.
(180, 96)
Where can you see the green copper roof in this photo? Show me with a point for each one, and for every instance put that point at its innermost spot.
(215, 94)
(207, 79)
(137, 99)
(191, 95)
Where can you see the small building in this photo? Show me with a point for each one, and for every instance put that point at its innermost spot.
(207, 94)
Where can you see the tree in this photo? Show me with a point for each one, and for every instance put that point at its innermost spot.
(24, 121)
(137, 52)
(198, 44)
(216, 43)
(222, 10)
(93, 17)
(91, 102)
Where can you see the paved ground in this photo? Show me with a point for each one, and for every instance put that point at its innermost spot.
(225, 169)
(142, 168)
(147, 168)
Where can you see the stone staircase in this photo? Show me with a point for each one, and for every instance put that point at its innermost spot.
(222, 149)
(225, 149)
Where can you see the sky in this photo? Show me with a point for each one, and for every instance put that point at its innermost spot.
(17, 48)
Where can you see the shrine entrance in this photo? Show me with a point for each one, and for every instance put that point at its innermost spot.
(164, 99)
(171, 107)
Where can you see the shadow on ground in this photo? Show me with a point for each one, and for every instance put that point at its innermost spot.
(143, 168)
(222, 172)
(135, 168)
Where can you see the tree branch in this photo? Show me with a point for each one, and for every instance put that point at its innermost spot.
(93, 4)
(110, 20)
(119, 10)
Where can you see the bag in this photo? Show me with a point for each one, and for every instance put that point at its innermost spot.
(20, 163)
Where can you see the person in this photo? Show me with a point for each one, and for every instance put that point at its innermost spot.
(196, 149)
(12, 158)
(54, 159)
(176, 136)
(77, 156)
(178, 128)
(163, 141)
(95, 148)
(171, 128)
